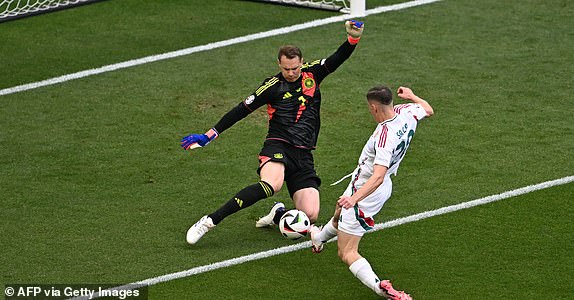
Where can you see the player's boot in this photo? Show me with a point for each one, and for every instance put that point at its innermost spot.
(317, 244)
(198, 229)
(391, 293)
(268, 219)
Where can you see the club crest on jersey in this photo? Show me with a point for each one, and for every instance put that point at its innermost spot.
(278, 155)
(249, 99)
(308, 84)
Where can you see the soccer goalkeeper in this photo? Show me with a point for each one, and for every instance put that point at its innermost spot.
(293, 99)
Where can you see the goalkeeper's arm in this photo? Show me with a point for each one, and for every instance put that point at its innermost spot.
(354, 32)
(233, 116)
(200, 140)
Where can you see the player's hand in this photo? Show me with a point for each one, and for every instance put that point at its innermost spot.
(346, 202)
(405, 93)
(198, 140)
(354, 28)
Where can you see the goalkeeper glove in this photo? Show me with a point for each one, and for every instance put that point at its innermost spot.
(354, 30)
(198, 140)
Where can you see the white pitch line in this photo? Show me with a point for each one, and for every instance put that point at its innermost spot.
(377, 227)
(206, 47)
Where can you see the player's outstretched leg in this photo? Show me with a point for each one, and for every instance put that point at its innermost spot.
(320, 236)
(201, 227)
(267, 220)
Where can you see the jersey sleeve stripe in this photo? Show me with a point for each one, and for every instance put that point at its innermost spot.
(399, 108)
(268, 84)
(307, 65)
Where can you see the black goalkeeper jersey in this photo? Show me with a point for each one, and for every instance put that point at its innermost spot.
(293, 107)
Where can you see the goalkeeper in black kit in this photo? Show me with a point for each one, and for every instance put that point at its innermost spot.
(293, 99)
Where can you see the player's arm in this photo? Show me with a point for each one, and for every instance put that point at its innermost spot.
(407, 94)
(201, 140)
(368, 188)
(233, 116)
(354, 32)
(236, 114)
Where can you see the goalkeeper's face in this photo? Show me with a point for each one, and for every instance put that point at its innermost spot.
(290, 68)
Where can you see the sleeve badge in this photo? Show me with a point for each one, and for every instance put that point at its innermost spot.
(249, 99)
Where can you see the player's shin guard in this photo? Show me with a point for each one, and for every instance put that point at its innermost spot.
(245, 198)
(364, 272)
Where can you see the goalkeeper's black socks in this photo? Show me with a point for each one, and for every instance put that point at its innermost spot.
(245, 198)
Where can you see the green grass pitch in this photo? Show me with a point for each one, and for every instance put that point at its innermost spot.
(94, 187)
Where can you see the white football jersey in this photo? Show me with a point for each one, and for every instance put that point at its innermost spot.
(388, 144)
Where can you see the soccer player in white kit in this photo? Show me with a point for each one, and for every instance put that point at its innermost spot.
(371, 184)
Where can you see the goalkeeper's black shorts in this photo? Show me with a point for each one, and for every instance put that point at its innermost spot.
(299, 165)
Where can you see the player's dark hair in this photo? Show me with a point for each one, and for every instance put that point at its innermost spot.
(290, 52)
(381, 94)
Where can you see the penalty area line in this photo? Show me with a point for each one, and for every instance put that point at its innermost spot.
(206, 47)
(380, 226)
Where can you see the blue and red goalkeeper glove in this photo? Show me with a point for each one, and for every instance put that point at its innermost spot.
(198, 140)
(354, 30)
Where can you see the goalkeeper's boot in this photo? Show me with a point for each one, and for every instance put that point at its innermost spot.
(268, 219)
(198, 229)
(390, 293)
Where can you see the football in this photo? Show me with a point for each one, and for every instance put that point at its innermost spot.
(294, 224)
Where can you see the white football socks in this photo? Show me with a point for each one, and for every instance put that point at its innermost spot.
(363, 271)
(328, 232)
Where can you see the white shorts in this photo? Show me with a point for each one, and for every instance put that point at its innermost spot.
(358, 220)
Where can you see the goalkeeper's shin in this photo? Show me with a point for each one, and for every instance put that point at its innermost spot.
(245, 198)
